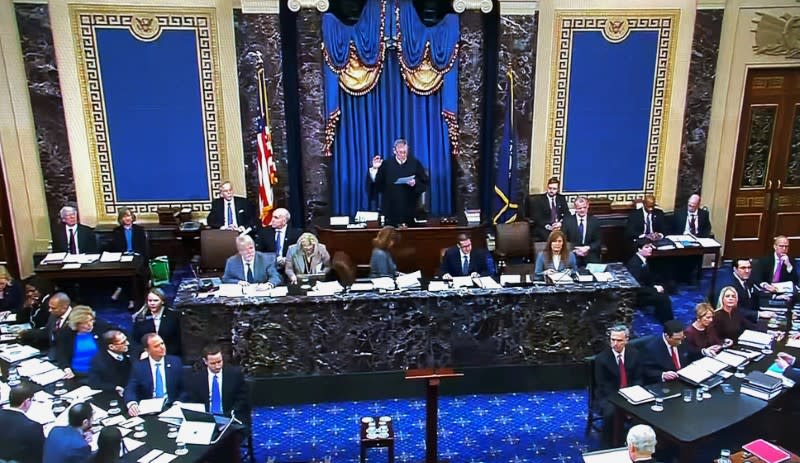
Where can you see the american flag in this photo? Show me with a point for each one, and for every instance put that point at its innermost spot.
(267, 171)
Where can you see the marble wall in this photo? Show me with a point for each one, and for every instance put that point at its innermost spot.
(471, 104)
(41, 70)
(316, 167)
(518, 53)
(702, 71)
(259, 34)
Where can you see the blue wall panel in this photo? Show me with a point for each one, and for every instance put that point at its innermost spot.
(154, 113)
(608, 118)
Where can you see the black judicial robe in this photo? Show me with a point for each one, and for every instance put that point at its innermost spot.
(399, 202)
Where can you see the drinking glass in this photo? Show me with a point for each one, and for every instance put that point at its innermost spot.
(687, 395)
(658, 406)
(739, 371)
(181, 449)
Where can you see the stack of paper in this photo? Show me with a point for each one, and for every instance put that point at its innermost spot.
(49, 377)
(708, 242)
(8, 318)
(701, 370)
(80, 394)
(111, 256)
(383, 283)
(14, 329)
(54, 258)
(41, 412)
(560, 278)
(326, 288)
(12, 353)
(463, 282)
(755, 339)
(438, 285)
(637, 394)
(409, 280)
(361, 287)
(603, 276)
(510, 279)
(730, 359)
(151, 406)
(33, 367)
(487, 283)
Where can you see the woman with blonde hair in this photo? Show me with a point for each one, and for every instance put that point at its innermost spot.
(701, 336)
(307, 256)
(11, 293)
(729, 322)
(156, 317)
(79, 342)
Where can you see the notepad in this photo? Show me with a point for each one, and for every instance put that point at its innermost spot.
(409, 280)
(151, 406)
(637, 394)
(767, 451)
(437, 285)
(487, 283)
(111, 257)
(730, 359)
(463, 282)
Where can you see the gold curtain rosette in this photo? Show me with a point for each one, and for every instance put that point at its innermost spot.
(425, 79)
(356, 78)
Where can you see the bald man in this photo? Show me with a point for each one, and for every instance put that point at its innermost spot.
(647, 222)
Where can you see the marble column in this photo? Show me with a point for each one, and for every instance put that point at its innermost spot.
(518, 53)
(41, 70)
(259, 34)
(471, 104)
(316, 167)
(702, 71)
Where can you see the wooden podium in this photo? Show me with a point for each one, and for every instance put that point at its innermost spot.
(433, 377)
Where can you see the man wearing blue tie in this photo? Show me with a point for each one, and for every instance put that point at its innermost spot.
(463, 260)
(156, 376)
(219, 386)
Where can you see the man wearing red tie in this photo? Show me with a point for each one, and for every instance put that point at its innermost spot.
(666, 354)
(614, 369)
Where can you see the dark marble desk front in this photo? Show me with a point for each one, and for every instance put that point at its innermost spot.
(370, 332)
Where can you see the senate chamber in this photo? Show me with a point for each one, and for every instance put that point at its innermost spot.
(399, 230)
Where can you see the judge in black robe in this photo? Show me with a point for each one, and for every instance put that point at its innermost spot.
(399, 201)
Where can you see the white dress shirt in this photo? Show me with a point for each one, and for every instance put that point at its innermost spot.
(232, 204)
(687, 229)
(74, 229)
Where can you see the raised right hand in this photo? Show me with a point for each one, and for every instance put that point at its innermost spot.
(376, 162)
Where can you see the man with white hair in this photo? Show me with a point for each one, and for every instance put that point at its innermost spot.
(278, 236)
(230, 212)
(250, 267)
(641, 443)
(72, 237)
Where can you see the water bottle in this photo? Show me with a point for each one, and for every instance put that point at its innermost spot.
(724, 456)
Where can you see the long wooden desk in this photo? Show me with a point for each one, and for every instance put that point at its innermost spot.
(419, 248)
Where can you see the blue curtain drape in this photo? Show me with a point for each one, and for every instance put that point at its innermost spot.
(361, 126)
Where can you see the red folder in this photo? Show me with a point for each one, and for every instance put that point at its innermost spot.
(768, 452)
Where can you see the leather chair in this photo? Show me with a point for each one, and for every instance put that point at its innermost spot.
(513, 250)
(215, 248)
(343, 267)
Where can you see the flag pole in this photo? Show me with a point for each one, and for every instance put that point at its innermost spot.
(263, 102)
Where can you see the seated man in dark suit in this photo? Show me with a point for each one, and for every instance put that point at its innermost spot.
(463, 260)
(44, 338)
(647, 222)
(23, 439)
(776, 267)
(740, 280)
(690, 220)
(641, 441)
(547, 210)
(614, 369)
(583, 233)
(278, 236)
(665, 354)
(70, 444)
(72, 237)
(250, 267)
(650, 293)
(111, 367)
(231, 212)
(220, 387)
(166, 369)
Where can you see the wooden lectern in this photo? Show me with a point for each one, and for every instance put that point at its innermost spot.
(433, 377)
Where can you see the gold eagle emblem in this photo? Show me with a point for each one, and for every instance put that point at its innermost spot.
(145, 27)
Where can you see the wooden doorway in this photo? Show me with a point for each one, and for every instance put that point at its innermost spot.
(8, 252)
(765, 190)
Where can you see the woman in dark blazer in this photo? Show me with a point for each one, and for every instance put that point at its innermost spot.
(154, 311)
(128, 238)
(77, 345)
(11, 292)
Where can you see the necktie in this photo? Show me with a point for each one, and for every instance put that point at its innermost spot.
(159, 392)
(776, 277)
(230, 213)
(216, 397)
(465, 266)
(58, 325)
(553, 210)
(249, 275)
(675, 360)
(278, 242)
(693, 224)
(623, 376)
(580, 229)
(647, 226)
(73, 249)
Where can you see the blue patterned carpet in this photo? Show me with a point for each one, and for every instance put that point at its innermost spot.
(543, 426)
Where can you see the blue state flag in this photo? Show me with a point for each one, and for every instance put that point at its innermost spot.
(504, 209)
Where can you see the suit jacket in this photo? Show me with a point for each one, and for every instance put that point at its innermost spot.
(793, 372)
(169, 330)
(766, 265)
(87, 241)
(65, 342)
(106, 372)
(139, 241)
(635, 224)
(381, 264)
(264, 269)
(246, 215)
(296, 261)
(266, 239)
(22, 439)
(703, 222)
(748, 299)
(657, 359)
(65, 444)
(641, 272)
(591, 236)
(539, 211)
(234, 391)
(606, 371)
(541, 266)
(45, 337)
(452, 264)
(140, 384)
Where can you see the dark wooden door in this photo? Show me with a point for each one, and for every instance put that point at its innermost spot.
(8, 253)
(765, 193)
